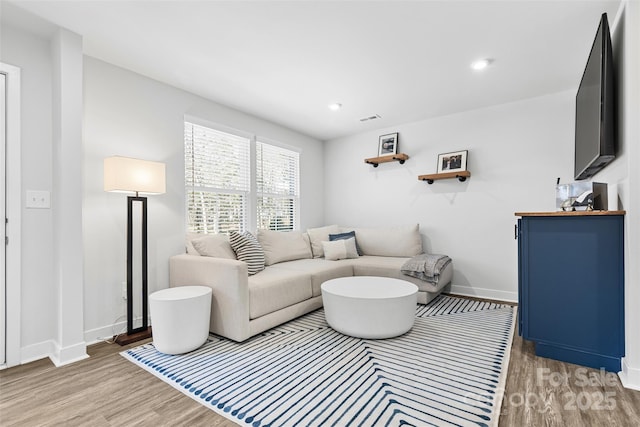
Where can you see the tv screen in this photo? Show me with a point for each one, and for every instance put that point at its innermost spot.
(595, 105)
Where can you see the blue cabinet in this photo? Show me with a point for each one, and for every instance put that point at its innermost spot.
(571, 286)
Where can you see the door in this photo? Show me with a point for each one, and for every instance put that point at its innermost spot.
(10, 208)
(3, 288)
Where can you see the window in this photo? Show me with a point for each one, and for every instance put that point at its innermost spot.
(220, 193)
(278, 187)
(216, 178)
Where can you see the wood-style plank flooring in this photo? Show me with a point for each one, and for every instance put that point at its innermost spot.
(107, 390)
(546, 392)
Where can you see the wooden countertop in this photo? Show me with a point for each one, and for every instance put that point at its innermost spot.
(571, 213)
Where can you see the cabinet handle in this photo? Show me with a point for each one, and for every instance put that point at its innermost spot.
(515, 229)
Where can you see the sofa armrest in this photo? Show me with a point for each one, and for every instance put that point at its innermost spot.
(228, 281)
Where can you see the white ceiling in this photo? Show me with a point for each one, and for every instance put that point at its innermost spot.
(285, 61)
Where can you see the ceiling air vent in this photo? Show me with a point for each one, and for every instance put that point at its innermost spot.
(374, 117)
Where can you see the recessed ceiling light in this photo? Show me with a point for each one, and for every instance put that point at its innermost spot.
(481, 64)
(335, 106)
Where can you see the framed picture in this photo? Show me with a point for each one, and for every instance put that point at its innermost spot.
(452, 162)
(388, 144)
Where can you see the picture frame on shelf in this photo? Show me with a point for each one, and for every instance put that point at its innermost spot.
(388, 144)
(452, 162)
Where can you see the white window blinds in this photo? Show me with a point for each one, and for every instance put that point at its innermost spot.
(217, 179)
(220, 194)
(278, 187)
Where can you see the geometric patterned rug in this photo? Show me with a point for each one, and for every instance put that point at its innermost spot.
(449, 369)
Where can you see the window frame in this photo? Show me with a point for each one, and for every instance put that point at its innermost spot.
(296, 197)
(251, 214)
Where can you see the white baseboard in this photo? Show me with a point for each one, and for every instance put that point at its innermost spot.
(93, 336)
(630, 377)
(58, 355)
(103, 333)
(484, 293)
(66, 355)
(37, 351)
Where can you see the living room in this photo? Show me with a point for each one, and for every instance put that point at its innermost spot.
(78, 109)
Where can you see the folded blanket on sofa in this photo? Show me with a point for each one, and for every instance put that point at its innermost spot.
(426, 267)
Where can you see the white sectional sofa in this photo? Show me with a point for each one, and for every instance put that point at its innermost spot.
(244, 305)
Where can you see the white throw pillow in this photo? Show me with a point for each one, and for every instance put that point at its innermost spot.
(319, 235)
(280, 246)
(214, 245)
(340, 249)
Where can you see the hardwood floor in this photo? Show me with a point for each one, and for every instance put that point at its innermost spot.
(546, 392)
(107, 390)
(104, 390)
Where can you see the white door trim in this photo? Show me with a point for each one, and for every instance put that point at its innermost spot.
(3, 201)
(13, 211)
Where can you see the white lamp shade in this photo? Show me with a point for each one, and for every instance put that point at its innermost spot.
(124, 174)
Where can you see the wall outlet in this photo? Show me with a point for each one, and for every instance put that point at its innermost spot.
(124, 291)
(38, 200)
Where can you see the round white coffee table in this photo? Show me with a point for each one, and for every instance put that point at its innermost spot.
(370, 307)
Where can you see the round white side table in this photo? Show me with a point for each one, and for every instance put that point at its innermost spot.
(180, 318)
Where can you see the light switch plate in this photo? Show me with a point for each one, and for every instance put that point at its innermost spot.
(38, 199)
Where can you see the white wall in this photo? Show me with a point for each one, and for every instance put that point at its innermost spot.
(51, 311)
(516, 153)
(67, 186)
(624, 173)
(32, 54)
(131, 115)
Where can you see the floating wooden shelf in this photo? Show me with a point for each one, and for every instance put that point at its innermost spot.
(461, 175)
(375, 161)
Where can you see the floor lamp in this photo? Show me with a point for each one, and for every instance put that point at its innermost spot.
(127, 175)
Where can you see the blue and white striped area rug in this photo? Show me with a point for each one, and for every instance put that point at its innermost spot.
(448, 370)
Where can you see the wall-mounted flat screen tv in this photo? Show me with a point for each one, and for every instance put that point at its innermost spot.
(595, 108)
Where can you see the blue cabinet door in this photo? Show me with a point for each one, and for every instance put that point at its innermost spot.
(571, 288)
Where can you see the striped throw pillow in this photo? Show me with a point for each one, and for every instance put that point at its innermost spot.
(247, 249)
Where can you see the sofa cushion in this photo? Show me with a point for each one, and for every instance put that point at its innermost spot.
(340, 249)
(390, 241)
(188, 245)
(384, 266)
(214, 245)
(319, 269)
(247, 249)
(319, 235)
(276, 288)
(282, 246)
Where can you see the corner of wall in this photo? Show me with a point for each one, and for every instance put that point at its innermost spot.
(50, 349)
(67, 185)
(629, 377)
(70, 354)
